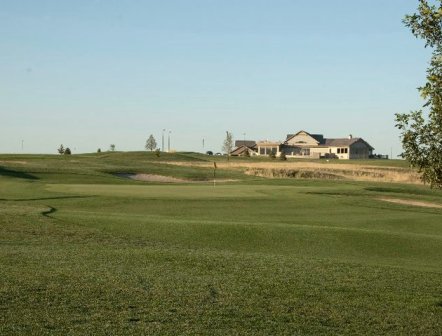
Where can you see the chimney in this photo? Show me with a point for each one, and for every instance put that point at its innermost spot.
(350, 136)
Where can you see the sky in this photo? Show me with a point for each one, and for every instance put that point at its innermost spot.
(87, 74)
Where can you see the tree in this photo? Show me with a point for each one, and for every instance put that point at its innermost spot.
(228, 144)
(282, 156)
(421, 131)
(112, 148)
(60, 149)
(99, 150)
(67, 151)
(272, 154)
(151, 143)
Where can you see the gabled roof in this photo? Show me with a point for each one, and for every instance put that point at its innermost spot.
(343, 142)
(247, 143)
(318, 137)
(240, 150)
(329, 142)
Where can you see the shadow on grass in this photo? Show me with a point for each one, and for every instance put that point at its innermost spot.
(396, 190)
(18, 174)
(334, 193)
(42, 198)
(48, 212)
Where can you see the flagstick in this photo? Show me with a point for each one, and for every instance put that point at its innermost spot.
(214, 174)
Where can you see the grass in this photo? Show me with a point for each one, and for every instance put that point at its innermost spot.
(85, 252)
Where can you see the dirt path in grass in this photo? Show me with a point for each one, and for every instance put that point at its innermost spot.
(411, 202)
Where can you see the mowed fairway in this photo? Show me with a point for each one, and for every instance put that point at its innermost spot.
(84, 252)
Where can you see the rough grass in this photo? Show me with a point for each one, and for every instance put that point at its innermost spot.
(373, 170)
(85, 252)
(351, 173)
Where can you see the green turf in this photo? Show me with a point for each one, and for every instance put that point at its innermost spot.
(87, 253)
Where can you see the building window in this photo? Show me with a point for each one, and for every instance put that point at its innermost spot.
(342, 150)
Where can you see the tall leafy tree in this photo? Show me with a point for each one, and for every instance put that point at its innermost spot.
(421, 131)
(151, 143)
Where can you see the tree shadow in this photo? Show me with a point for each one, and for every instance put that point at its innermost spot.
(401, 190)
(18, 174)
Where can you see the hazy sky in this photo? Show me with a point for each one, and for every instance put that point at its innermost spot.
(91, 73)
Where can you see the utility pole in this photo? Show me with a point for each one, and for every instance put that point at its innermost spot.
(228, 154)
(22, 145)
(162, 140)
(168, 142)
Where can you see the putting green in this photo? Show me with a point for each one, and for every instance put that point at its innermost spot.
(170, 191)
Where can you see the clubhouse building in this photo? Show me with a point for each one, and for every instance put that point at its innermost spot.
(309, 146)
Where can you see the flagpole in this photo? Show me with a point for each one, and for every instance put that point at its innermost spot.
(214, 174)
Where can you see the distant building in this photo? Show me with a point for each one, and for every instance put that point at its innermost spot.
(244, 147)
(306, 145)
(267, 147)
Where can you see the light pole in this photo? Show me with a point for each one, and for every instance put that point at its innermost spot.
(244, 137)
(168, 142)
(228, 149)
(162, 140)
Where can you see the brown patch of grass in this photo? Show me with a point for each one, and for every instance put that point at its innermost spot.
(164, 179)
(151, 178)
(14, 162)
(292, 173)
(317, 171)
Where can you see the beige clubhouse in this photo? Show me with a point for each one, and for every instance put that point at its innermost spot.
(306, 145)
